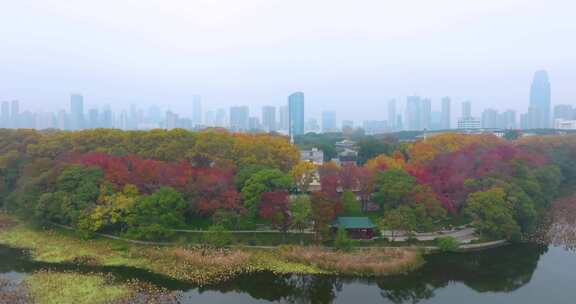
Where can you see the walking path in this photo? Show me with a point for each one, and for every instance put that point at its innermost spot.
(463, 236)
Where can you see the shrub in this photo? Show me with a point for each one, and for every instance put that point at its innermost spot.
(342, 242)
(447, 244)
(217, 236)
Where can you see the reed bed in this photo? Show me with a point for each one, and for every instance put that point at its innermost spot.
(365, 262)
(204, 266)
(6, 222)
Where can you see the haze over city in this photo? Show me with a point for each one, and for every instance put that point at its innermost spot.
(348, 57)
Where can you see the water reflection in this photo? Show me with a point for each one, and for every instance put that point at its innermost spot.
(500, 270)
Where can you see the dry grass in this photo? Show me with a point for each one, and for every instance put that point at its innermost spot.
(205, 266)
(377, 261)
(6, 222)
(201, 266)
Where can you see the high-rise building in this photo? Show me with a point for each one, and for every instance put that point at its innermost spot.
(210, 118)
(15, 114)
(221, 120)
(239, 118)
(329, 122)
(507, 120)
(107, 117)
(295, 115)
(196, 110)
(373, 127)
(93, 119)
(269, 118)
(76, 111)
(425, 113)
(565, 112)
(466, 109)
(524, 121)
(446, 116)
(413, 113)
(62, 120)
(171, 120)
(540, 102)
(347, 124)
(283, 118)
(254, 124)
(5, 115)
(44, 120)
(469, 123)
(490, 119)
(392, 114)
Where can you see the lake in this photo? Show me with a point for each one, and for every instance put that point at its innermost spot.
(525, 273)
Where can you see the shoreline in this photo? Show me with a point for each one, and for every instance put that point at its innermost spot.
(202, 266)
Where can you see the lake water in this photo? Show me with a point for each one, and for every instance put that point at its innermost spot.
(517, 274)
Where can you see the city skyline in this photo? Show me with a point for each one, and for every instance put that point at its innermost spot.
(415, 114)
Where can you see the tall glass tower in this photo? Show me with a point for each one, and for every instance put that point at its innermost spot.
(540, 101)
(295, 114)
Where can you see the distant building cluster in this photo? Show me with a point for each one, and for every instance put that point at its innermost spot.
(419, 114)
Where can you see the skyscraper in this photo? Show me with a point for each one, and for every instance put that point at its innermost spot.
(5, 115)
(15, 114)
(540, 101)
(269, 118)
(196, 110)
(490, 119)
(295, 114)
(392, 114)
(107, 117)
(93, 119)
(210, 118)
(283, 118)
(425, 113)
(221, 118)
(418, 113)
(507, 120)
(563, 112)
(76, 111)
(466, 109)
(239, 118)
(329, 122)
(446, 116)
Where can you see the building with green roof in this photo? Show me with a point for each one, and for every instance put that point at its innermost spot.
(356, 227)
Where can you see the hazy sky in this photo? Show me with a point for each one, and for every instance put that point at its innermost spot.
(348, 56)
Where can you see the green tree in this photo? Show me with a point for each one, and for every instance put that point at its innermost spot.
(226, 218)
(245, 173)
(77, 189)
(217, 236)
(154, 215)
(393, 188)
(342, 242)
(352, 207)
(323, 212)
(447, 244)
(492, 214)
(301, 210)
(371, 147)
(268, 180)
(402, 219)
